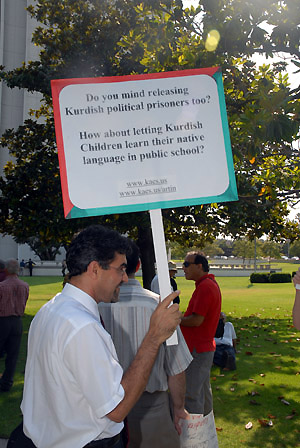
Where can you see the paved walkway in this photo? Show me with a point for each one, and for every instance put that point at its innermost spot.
(3, 443)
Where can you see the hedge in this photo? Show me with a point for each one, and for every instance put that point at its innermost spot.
(256, 277)
(275, 277)
(280, 278)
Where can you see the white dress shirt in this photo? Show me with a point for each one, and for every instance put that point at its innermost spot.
(72, 377)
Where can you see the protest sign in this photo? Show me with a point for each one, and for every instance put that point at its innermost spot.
(142, 142)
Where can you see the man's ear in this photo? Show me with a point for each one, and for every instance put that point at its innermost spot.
(93, 269)
(138, 266)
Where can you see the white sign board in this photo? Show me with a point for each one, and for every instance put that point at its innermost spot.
(143, 142)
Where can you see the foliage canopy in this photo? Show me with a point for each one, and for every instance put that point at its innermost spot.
(104, 38)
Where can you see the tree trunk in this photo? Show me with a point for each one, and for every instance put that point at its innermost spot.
(145, 243)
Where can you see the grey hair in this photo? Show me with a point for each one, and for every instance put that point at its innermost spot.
(12, 266)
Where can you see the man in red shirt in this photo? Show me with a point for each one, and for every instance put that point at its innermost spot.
(198, 327)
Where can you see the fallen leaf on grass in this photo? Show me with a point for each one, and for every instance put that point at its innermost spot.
(249, 353)
(262, 374)
(283, 401)
(253, 393)
(249, 425)
(265, 423)
(271, 416)
(278, 367)
(219, 429)
(252, 380)
(254, 402)
(292, 415)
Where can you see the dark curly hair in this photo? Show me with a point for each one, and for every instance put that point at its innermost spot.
(95, 243)
(133, 258)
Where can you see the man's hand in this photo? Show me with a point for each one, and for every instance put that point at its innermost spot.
(178, 415)
(296, 278)
(165, 319)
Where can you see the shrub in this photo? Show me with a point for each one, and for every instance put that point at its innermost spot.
(283, 277)
(256, 277)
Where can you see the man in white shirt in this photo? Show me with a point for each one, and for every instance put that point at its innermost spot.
(75, 392)
(224, 356)
(150, 423)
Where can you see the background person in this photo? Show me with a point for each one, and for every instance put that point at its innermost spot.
(30, 265)
(13, 298)
(224, 356)
(22, 266)
(75, 392)
(172, 271)
(150, 422)
(199, 327)
(296, 307)
(63, 268)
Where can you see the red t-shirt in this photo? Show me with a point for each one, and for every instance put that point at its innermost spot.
(205, 301)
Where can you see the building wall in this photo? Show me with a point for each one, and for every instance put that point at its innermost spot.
(16, 27)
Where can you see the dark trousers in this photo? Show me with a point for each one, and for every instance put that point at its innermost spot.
(224, 356)
(11, 328)
(18, 439)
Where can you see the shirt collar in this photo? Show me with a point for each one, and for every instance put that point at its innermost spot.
(204, 277)
(82, 297)
(131, 282)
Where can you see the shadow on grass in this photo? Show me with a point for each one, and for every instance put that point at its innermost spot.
(264, 387)
(42, 280)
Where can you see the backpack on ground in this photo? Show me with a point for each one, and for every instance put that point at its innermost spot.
(220, 329)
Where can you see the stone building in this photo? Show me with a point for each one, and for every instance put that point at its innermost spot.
(16, 27)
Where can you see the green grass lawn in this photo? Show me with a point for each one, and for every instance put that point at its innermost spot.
(268, 367)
